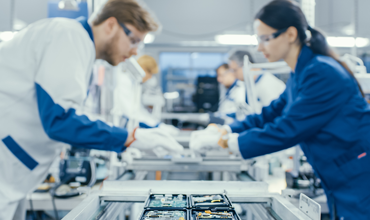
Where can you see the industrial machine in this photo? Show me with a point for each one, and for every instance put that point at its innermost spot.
(117, 197)
(207, 94)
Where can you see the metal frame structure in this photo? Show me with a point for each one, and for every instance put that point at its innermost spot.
(117, 195)
(197, 164)
(250, 71)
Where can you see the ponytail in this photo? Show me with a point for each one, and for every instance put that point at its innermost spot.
(280, 14)
(319, 45)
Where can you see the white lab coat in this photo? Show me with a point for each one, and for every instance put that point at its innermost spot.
(44, 75)
(127, 100)
(268, 88)
(232, 97)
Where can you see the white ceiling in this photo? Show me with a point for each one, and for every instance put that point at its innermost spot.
(201, 20)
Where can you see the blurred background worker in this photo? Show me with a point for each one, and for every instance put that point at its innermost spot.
(128, 97)
(149, 65)
(322, 109)
(52, 70)
(268, 87)
(232, 91)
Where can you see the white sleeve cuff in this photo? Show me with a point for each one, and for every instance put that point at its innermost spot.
(227, 128)
(233, 142)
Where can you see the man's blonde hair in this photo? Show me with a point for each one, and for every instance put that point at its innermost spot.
(148, 63)
(127, 11)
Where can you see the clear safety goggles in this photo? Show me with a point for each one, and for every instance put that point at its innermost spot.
(264, 39)
(134, 41)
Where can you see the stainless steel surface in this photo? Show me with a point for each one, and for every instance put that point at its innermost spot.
(114, 209)
(255, 193)
(309, 207)
(185, 116)
(86, 209)
(189, 165)
(142, 188)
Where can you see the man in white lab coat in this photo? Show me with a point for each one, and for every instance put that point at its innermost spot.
(268, 86)
(44, 75)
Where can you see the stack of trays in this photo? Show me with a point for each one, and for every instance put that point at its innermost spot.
(188, 207)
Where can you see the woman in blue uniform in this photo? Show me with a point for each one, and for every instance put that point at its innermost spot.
(322, 109)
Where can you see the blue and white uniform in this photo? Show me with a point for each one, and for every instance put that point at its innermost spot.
(44, 76)
(234, 95)
(268, 88)
(322, 110)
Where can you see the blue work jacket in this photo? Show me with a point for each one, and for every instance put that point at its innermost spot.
(323, 110)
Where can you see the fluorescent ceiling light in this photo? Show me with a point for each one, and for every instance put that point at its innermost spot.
(149, 38)
(7, 35)
(171, 95)
(69, 5)
(347, 41)
(236, 39)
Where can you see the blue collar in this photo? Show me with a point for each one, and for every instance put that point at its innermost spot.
(304, 57)
(87, 27)
(231, 87)
(258, 78)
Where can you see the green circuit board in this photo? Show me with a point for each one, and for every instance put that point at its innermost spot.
(164, 215)
(176, 201)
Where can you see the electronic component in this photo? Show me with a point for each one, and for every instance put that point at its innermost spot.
(213, 215)
(216, 200)
(164, 215)
(167, 200)
(229, 214)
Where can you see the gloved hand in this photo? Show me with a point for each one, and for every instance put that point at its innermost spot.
(206, 139)
(148, 139)
(170, 129)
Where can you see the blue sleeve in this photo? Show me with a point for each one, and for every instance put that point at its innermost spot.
(319, 98)
(231, 115)
(77, 130)
(143, 125)
(268, 114)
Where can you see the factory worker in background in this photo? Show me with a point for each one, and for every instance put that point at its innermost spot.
(268, 87)
(125, 93)
(234, 91)
(44, 76)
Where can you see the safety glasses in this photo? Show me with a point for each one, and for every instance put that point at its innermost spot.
(134, 41)
(266, 38)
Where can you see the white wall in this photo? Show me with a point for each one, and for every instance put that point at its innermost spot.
(6, 15)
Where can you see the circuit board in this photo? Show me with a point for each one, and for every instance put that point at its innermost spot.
(175, 201)
(209, 200)
(213, 215)
(164, 215)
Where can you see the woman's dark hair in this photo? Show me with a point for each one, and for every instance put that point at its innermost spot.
(281, 14)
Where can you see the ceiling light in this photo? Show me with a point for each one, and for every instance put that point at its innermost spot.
(236, 39)
(149, 38)
(69, 5)
(347, 41)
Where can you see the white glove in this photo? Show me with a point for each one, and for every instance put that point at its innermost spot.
(148, 139)
(170, 129)
(206, 139)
